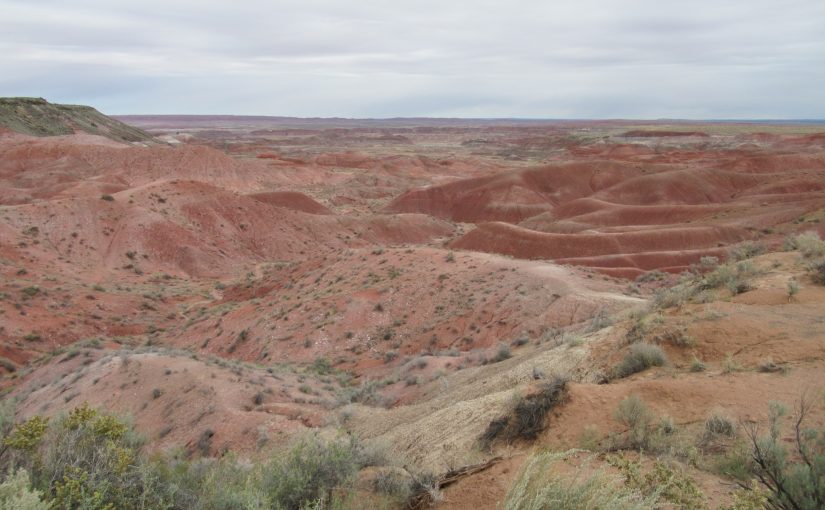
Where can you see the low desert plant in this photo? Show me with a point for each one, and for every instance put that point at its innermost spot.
(634, 414)
(809, 244)
(16, 493)
(730, 365)
(666, 482)
(793, 481)
(719, 424)
(502, 353)
(746, 250)
(641, 356)
(527, 417)
(793, 289)
(539, 486)
(697, 365)
(817, 271)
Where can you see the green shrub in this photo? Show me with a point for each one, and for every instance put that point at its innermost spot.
(809, 245)
(502, 353)
(92, 461)
(16, 493)
(310, 471)
(640, 357)
(634, 414)
(540, 487)
(718, 424)
(792, 480)
(664, 481)
(697, 365)
(817, 271)
(746, 250)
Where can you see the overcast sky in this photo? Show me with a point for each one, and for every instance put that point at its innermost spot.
(435, 58)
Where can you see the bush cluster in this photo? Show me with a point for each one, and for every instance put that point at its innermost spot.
(93, 461)
(640, 357)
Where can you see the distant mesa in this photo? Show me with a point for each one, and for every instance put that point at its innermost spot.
(35, 116)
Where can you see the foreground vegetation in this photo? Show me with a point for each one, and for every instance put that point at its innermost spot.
(93, 461)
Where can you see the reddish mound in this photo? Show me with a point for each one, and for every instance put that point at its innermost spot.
(511, 196)
(291, 200)
(524, 243)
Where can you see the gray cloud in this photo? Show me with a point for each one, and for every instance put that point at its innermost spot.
(522, 58)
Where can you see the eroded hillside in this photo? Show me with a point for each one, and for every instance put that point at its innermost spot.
(420, 287)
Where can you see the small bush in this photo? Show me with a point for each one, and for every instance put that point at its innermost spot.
(528, 416)
(640, 357)
(718, 424)
(16, 493)
(502, 353)
(730, 365)
(746, 250)
(809, 245)
(817, 271)
(634, 414)
(108, 198)
(600, 321)
(310, 471)
(697, 365)
(539, 486)
(792, 481)
(793, 289)
(664, 481)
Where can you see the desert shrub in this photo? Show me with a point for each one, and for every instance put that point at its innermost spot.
(540, 487)
(697, 365)
(750, 497)
(641, 356)
(85, 459)
(746, 250)
(809, 245)
(366, 393)
(599, 321)
(92, 461)
(16, 493)
(518, 342)
(651, 276)
(730, 365)
(666, 425)
(695, 287)
(817, 271)
(674, 296)
(8, 364)
(322, 366)
(793, 287)
(792, 481)
(527, 418)
(734, 277)
(676, 336)
(643, 322)
(394, 483)
(717, 424)
(634, 414)
(310, 471)
(502, 353)
(663, 481)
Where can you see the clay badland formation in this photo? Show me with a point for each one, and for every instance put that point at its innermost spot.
(462, 295)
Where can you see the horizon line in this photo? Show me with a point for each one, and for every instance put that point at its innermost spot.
(518, 119)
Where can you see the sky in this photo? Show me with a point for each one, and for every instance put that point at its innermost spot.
(633, 59)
